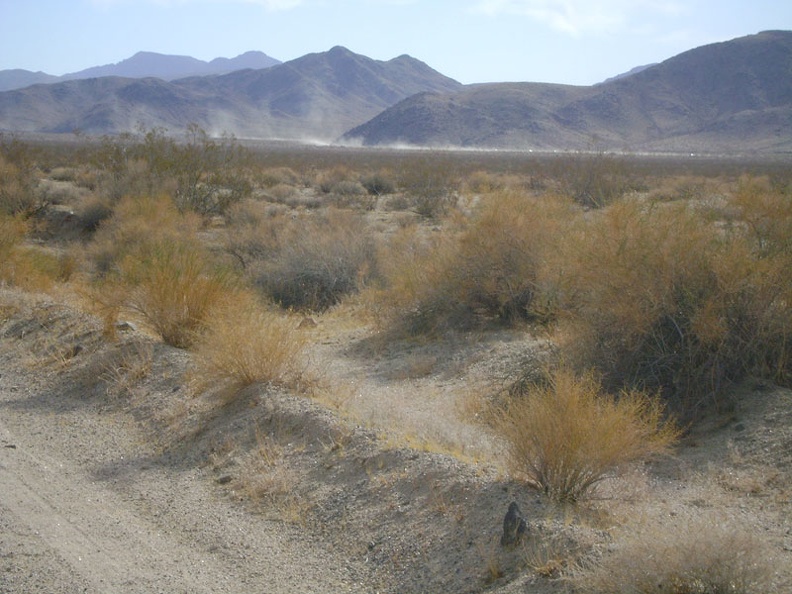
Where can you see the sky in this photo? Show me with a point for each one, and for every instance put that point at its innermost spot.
(577, 42)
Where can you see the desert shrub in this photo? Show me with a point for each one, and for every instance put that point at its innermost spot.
(379, 183)
(17, 187)
(700, 555)
(137, 222)
(661, 300)
(92, 212)
(175, 289)
(245, 342)
(430, 185)
(320, 260)
(493, 269)
(281, 192)
(592, 179)
(26, 266)
(272, 176)
(567, 436)
(766, 210)
(201, 174)
(12, 234)
(150, 249)
(64, 174)
(351, 194)
(331, 180)
(255, 231)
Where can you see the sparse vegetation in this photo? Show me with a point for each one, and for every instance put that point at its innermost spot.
(244, 342)
(318, 261)
(701, 555)
(650, 287)
(566, 437)
(659, 299)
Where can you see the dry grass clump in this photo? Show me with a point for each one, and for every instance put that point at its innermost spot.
(566, 437)
(28, 267)
(138, 222)
(320, 260)
(175, 289)
(694, 556)
(17, 187)
(150, 251)
(492, 269)
(244, 342)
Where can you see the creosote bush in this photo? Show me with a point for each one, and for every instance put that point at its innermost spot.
(200, 173)
(567, 436)
(593, 179)
(492, 268)
(657, 298)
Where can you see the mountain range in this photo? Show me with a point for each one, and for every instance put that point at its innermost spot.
(734, 96)
(315, 97)
(142, 65)
(729, 97)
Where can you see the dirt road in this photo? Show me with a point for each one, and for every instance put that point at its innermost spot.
(87, 506)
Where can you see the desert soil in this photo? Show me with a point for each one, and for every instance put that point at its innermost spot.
(118, 475)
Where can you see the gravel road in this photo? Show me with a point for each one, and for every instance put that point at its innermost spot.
(86, 505)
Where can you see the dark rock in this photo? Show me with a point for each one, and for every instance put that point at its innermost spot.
(514, 526)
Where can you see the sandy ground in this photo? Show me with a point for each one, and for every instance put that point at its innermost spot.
(88, 505)
(116, 476)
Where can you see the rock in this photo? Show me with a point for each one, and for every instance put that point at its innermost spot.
(514, 526)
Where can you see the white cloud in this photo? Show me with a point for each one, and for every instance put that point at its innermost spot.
(575, 17)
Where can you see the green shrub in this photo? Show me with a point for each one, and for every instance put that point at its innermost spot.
(566, 437)
(200, 174)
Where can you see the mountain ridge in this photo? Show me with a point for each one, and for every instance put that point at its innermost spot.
(317, 96)
(143, 64)
(732, 95)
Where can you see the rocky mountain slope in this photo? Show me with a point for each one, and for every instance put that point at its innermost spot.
(733, 96)
(317, 96)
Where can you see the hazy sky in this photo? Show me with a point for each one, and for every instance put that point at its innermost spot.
(564, 41)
